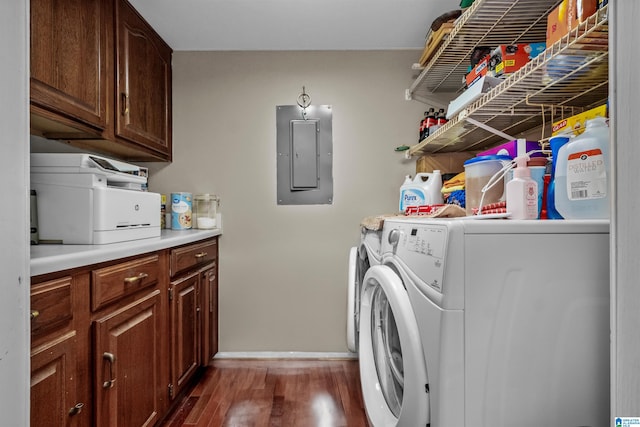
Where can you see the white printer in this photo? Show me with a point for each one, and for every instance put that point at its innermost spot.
(89, 199)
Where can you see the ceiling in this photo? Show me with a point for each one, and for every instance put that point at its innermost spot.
(293, 24)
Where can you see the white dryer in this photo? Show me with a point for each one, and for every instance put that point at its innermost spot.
(361, 258)
(487, 323)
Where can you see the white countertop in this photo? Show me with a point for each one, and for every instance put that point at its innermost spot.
(47, 258)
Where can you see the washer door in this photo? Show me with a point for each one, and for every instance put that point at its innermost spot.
(359, 264)
(353, 302)
(392, 366)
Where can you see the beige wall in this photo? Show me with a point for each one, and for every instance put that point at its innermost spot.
(283, 269)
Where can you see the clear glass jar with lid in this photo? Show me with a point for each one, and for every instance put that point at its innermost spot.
(205, 210)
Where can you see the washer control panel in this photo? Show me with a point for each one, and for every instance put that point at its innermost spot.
(422, 248)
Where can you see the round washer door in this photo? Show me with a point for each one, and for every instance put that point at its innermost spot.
(393, 373)
(353, 302)
(359, 264)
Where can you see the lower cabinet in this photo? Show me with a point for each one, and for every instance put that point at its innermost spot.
(128, 388)
(193, 305)
(56, 396)
(184, 300)
(209, 311)
(114, 344)
(53, 394)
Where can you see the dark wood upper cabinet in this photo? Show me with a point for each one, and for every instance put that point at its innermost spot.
(100, 79)
(69, 60)
(143, 83)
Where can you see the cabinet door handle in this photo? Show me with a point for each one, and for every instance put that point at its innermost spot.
(109, 357)
(34, 314)
(134, 279)
(124, 98)
(200, 255)
(212, 278)
(76, 409)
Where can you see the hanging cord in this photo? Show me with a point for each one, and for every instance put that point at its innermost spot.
(496, 177)
(304, 100)
(543, 121)
(493, 181)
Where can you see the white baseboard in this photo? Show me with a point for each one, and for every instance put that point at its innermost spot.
(284, 355)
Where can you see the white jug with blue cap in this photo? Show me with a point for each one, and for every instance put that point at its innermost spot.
(424, 189)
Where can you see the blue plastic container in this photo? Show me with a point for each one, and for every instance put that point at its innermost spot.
(555, 142)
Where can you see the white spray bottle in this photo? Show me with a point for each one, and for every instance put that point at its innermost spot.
(522, 192)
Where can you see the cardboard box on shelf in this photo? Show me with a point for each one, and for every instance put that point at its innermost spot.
(561, 20)
(506, 59)
(576, 123)
(585, 8)
(434, 41)
(446, 163)
(479, 70)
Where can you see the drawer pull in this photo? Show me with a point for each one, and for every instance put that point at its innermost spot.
(134, 279)
(109, 357)
(34, 314)
(76, 409)
(200, 255)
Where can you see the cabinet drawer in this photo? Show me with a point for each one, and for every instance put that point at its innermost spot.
(191, 256)
(51, 306)
(109, 284)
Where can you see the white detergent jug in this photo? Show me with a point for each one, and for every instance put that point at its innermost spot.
(424, 189)
(582, 174)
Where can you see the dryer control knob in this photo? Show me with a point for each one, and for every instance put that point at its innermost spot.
(394, 237)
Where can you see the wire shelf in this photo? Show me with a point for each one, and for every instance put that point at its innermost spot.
(568, 77)
(484, 23)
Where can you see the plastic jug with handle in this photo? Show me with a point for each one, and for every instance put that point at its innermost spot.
(424, 189)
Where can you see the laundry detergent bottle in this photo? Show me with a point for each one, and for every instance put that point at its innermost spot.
(424, 189)
(583, 172)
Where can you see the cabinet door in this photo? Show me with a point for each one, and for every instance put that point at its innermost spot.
(143, 96)
(127, 352)
(209, 291)
(56, 357)
(53, 384)
(185, 330)
(69, 69)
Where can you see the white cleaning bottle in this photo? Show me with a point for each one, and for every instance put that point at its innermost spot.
(522, 192)
(582, 174)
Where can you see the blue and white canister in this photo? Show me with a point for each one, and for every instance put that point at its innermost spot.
(181, 211)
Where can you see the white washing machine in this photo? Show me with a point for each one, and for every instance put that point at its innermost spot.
(361, 258)
(487, 323)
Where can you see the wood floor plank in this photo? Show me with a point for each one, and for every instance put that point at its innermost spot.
(274, 393)
(180, 415)
(350, 397)
(213, 400)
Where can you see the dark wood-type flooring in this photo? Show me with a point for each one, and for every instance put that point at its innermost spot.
(274, 393)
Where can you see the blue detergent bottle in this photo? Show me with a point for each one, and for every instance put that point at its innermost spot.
(555, 142)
